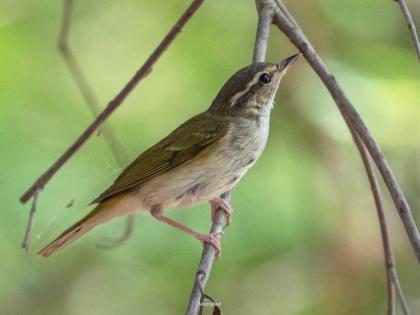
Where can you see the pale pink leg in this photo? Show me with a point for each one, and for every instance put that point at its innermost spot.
(204, 238)
(224, 205)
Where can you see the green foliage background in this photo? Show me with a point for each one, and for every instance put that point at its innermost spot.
(304, 238)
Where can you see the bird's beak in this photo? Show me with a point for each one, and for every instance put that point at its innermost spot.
(286, 63)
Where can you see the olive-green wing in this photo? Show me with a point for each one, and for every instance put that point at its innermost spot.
(183, 144)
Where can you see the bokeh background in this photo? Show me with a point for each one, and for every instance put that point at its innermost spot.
(304, 238)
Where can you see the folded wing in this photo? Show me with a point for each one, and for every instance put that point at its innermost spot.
(179, 147)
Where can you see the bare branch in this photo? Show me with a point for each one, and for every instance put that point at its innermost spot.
(400, 293)
(283, 8)
(115, 103)
(26, 238)
(206, 261)
(298, 38)
(411, 26)
(86, 90)
(84, 86)
(390, 267)
(265, 19)
(290, 27)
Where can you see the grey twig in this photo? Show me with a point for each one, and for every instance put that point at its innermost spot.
(113, 104)
(26, 238)
(298, 38)
(265, 19)
(82, 83)
(411, 26)
(390, 267)
(206, 262)
(86, 90)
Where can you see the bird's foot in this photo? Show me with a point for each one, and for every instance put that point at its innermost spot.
(217, 203)
(213, 240)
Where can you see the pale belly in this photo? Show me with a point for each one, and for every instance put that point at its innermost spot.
(207, 176)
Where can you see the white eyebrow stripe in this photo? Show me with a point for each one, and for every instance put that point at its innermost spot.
(249, 85)
(247, 88)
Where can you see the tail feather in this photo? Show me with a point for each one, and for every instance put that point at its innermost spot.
(121, 204)
(71, 234)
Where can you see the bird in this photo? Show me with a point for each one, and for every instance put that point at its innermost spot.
(197, 162)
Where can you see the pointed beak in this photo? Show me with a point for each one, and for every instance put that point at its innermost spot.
(286, 63)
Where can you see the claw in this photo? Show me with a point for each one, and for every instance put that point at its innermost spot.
(213, 240)
(217, 203)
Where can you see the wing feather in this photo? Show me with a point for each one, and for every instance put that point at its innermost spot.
(180, 146)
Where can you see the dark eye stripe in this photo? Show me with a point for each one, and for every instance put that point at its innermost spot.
(265, 78)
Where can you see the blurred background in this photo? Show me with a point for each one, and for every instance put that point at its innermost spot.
(305, 237)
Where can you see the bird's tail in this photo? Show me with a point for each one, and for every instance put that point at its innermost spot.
(74, 232)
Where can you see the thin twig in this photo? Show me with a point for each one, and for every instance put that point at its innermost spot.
(298, 38)
(283, 8)
(400, 292)
(86, 90)
(265, 19)
(206, 261)
(83, 84)
(115, 103)
(114, 242)
(26, 238)
(411, 26)
(390, 267)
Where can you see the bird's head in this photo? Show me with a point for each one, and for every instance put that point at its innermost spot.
(251, 90)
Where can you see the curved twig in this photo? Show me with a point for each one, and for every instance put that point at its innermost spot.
(292, 30)
(411, 26)
(110, 243)
(390, 267)
(298, 38)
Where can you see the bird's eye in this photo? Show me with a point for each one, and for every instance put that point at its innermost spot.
(265, 78)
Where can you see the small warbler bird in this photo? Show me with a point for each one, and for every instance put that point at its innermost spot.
(197, 162)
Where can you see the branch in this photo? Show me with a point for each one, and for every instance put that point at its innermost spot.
(206, 261)
(82, 83)
(86, 90)
(265, 19)
(391, 271)
(26, 238)
(144, 70)
(411, 26)
(298, 38)
(290, 27)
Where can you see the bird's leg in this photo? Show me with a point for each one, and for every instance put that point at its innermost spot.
(217, 203)
(204, 238)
